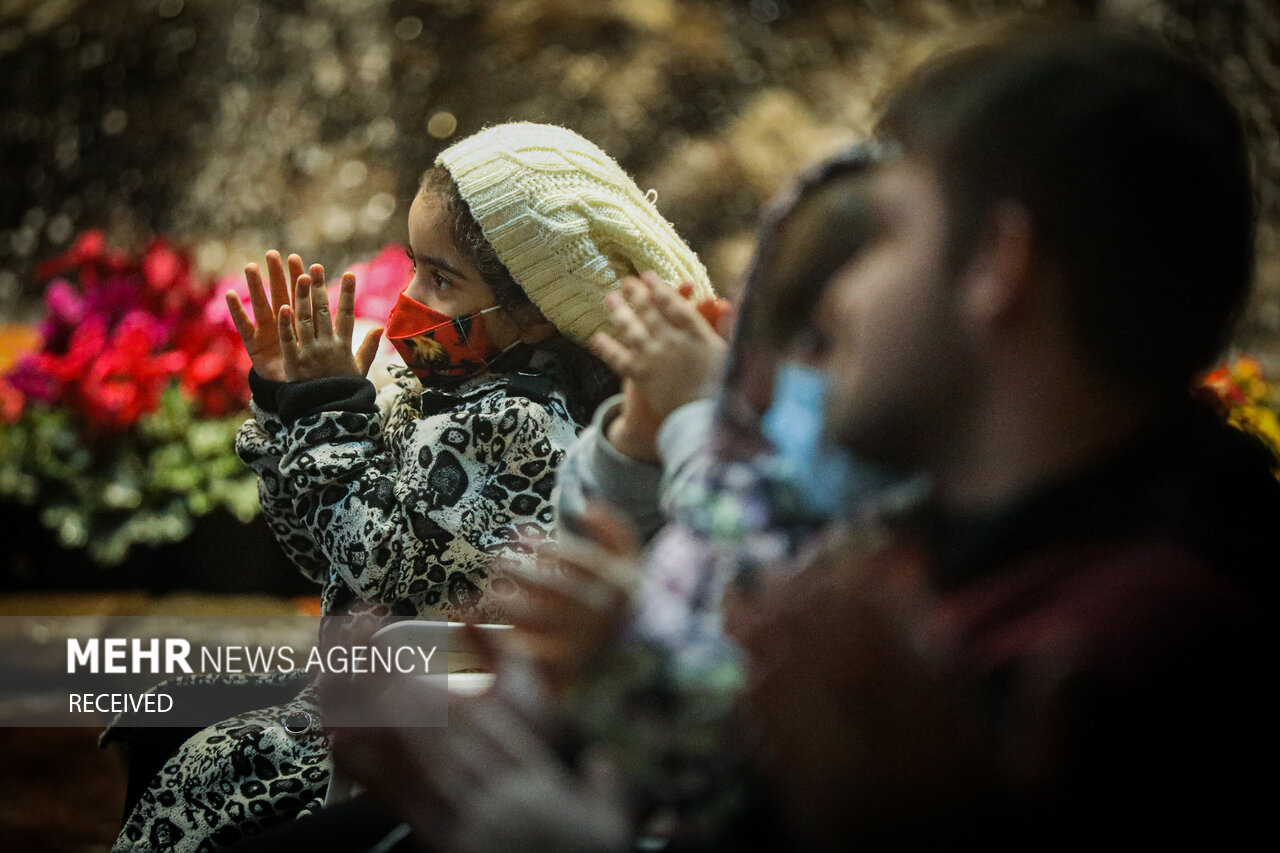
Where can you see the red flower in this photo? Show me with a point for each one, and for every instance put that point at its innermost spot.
(12, 402)
(169, 287)
(215, 367)
(122, 327)
(88, 255)
(88, 341)
(126, 381)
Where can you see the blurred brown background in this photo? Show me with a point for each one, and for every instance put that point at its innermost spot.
(241, 125)
(236, 126)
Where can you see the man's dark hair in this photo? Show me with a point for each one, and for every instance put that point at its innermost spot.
(1133, 167)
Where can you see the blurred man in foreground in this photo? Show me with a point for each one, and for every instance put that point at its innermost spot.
(1070, 639)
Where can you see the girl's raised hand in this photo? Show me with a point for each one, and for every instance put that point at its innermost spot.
(663, 343)
(667, 352)
(262, 341)
(313, 343)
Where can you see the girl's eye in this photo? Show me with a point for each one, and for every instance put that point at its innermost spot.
(442, 282)
(412, 260)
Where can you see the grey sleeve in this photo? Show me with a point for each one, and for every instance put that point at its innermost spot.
(593, 469)
(682, 445)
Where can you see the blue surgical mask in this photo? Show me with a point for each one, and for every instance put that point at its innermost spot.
(829, 480)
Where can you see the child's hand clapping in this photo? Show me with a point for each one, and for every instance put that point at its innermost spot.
(299, 340)
(317, 345)
(667, 353)
(263, 340)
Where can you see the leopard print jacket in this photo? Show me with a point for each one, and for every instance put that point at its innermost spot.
(411, 506)
(409, 511)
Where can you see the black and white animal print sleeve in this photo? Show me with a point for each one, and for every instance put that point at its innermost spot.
(260, 443)
(415, 509)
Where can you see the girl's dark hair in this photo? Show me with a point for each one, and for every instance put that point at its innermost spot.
(586, 379)
(803, 239)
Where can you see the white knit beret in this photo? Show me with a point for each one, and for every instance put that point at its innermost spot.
(566, 220)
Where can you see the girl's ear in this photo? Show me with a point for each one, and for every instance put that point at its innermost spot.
(534, 328)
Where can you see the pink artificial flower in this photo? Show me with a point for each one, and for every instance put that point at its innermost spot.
(64, 304)
(379, 282)
(215, 310)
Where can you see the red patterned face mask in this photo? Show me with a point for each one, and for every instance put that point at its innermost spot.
(440, 349)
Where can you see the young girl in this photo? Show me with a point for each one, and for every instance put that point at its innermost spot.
(408, 503)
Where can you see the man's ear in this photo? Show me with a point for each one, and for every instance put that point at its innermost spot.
(999, 280)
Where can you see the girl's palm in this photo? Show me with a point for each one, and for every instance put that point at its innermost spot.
(261, 336)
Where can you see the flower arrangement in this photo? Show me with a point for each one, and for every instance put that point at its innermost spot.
(120, 425)
(1249, 402)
